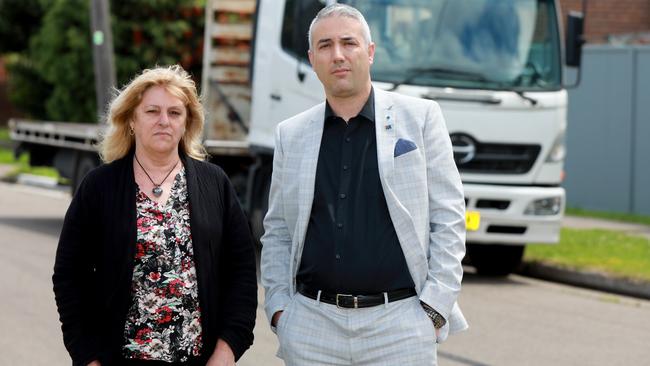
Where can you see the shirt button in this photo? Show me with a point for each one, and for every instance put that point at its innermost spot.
(342, 195)
(345, 167)
(339, 225)
(338, 256)
(347, 139)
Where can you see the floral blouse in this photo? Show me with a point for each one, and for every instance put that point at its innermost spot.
(164, 321)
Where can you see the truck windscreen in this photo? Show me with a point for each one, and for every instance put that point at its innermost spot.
(482, 44)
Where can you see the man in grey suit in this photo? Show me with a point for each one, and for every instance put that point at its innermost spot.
(365, 232)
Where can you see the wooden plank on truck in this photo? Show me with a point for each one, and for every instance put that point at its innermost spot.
(229, 56)
(235, 6)
(236, 32)
(226, 73)
(230, 75)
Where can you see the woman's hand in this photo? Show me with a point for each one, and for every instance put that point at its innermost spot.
(222, 355)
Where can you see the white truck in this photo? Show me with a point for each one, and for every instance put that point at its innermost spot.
(495, 66)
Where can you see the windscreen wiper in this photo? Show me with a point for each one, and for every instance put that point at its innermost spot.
(523, 96)
(535, 78)
(414, 72)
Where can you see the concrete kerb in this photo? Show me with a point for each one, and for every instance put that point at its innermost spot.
(587, 279)
(37, 181)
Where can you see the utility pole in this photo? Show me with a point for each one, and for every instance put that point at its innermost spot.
(104, 65)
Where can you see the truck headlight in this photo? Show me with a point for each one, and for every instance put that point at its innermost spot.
(544, 206)
(558, 150)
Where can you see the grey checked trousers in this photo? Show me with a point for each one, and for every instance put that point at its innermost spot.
(313, 333)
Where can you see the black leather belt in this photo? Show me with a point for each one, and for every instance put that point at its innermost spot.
(356, 301)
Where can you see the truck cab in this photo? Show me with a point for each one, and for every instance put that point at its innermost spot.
(495, 68)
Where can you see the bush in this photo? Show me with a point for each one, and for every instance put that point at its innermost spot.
(19, 20)
(62, 56)
(28, 89)
(159, 33)
(53, 78)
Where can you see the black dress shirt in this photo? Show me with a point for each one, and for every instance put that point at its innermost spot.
(351, 246)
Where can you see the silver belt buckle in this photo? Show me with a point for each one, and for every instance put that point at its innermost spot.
(355, 300)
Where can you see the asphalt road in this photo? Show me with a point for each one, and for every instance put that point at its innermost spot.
(514, 321)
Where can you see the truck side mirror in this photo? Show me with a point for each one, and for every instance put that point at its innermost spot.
(574, 39)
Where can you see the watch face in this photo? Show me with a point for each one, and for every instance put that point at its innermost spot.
(438, 321)
(436, 318)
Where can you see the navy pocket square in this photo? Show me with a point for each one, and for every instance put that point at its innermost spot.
(403, 146)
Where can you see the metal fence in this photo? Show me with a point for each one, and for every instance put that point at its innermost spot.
(608, 136)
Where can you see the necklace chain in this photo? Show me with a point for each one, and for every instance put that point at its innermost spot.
(157, 191)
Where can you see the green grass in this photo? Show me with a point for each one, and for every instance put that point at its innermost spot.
(6, 156)
(24, 168)
(616, 216)
(607, 251)
(21, 165)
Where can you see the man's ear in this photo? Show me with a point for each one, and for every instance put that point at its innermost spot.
(371, 52)
(311, 58)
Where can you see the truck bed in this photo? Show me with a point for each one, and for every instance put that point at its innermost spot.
(79, 136)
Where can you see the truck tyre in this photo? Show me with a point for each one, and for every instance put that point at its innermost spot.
(85, 163)
(495, 259)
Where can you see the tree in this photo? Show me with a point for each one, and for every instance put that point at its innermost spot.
(28, 90)
(19, 20)
(62, 54)
(57, 70)
(161, 32)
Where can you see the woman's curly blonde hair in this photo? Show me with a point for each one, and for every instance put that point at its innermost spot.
(117, 140)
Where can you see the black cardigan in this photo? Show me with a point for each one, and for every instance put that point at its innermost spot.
(95, 258)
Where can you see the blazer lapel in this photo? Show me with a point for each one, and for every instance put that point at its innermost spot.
(385, 132)
(311, 139)
(387, 123)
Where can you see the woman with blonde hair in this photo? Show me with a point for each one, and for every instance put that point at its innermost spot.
(155, 263)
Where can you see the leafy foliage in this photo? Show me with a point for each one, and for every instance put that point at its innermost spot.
(62, 55)
(52, 78)
(159, 33)
(19, 20)
(28, 89)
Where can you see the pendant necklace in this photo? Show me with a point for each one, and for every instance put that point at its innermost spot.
(157, 191)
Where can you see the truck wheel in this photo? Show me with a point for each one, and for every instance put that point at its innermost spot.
(85, 163)
(495, 259)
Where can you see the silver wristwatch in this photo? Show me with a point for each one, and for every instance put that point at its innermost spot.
(437, 319)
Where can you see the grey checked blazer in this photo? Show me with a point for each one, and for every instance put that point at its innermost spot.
(421, 184)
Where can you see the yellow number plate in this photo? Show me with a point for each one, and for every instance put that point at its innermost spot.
(472, 220)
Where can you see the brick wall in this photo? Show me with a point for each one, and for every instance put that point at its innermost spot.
(608, 17)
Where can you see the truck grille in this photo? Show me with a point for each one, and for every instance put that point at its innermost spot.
(472, 156)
